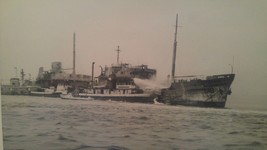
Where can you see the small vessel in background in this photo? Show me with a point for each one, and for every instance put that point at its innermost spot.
(210, 91)
(49, 83)
(19, 86)
(48, 92)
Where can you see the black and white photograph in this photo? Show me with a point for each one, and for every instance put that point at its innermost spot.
(133, 74)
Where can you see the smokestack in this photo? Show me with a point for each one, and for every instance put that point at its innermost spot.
(93, 74)
(118, 55)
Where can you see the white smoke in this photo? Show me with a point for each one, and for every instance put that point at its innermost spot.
(151, 85)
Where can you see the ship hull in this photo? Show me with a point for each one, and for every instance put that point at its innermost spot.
(199, 103)
(210, 92)
(132, 98)
(71, 97)
(45, 94)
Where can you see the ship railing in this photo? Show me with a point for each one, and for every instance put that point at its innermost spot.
(78, 77)
(121, 65)
(222, 76)
(189, 78)
(125, 86)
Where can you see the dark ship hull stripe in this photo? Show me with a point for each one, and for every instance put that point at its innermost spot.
(199, 103)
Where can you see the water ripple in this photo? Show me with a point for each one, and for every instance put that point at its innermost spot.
(50, 123)
(112, 147)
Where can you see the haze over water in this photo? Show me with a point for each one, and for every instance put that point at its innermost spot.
(56, 124)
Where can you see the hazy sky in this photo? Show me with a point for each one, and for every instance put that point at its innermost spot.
(36, 33)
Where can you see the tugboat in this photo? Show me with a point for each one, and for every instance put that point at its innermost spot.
(116, 83)
(210, 91)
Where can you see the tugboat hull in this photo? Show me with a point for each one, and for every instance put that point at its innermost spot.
(133, 98)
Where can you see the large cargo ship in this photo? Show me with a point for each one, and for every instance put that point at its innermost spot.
(210, 91)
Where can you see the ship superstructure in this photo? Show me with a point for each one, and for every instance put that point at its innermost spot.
(57, 76)
(116, 82)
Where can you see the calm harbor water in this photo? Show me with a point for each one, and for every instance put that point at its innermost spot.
(31, 123)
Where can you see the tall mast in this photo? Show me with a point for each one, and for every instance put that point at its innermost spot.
(118, 54)
(73, 53)
(174, 48)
